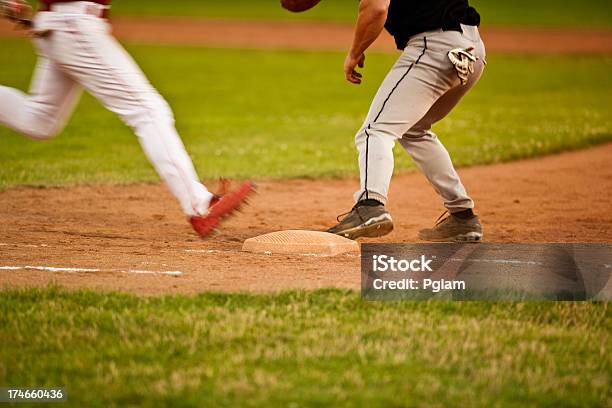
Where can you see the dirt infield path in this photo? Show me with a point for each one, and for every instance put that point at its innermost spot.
(333, 36)
(128, 234)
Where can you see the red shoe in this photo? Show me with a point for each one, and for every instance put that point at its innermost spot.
(221, 207)
(224, 185)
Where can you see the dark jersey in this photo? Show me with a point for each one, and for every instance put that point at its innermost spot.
(409, 17)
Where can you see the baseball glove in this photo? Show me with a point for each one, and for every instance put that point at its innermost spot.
(463, 60)
(18, 11)
(297, 6)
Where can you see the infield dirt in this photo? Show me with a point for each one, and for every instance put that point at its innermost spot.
(335, 36)
(113, 228)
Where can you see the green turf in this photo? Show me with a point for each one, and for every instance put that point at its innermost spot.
(586, 13)
(288, 114)
(317, 348)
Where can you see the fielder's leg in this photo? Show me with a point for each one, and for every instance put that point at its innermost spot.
(405, 96)
(431, 156)
(422, 87)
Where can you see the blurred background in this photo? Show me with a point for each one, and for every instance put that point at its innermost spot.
(258, 91)
(587, 13)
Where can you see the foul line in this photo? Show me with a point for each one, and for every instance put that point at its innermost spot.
(2, 244)
(88, 270)
(497, 261)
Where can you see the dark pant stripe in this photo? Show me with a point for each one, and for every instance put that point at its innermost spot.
(380, 113)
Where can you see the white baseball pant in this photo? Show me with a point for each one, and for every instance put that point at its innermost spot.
(421, 89)
(76, 50)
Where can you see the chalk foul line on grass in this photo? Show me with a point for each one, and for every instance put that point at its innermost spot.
(88, 270)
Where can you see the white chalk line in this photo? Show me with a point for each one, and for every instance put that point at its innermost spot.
(347, 255)
(169, 273)
(497, 261)
(220, 251)
(210, 251)
(508, 262)
(267, 253)
(88, 270)
(2, 244)
(201, 251)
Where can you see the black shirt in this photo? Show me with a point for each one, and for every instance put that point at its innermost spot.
(409, 17)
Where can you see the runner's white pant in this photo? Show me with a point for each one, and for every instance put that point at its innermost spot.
(78, 51)
(421, 89)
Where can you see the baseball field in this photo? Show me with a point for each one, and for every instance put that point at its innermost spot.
(107, 292)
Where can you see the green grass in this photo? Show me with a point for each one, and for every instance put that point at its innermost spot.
(289, 114)
(304, 349)
(586, 13)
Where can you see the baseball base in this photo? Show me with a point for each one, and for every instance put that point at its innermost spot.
(300, 243)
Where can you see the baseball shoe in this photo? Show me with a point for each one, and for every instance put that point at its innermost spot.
(221, 207)
(364, 220)
(224, 188)
(454, 229)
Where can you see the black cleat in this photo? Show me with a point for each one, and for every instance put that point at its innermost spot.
(364, 221)
(454, 229)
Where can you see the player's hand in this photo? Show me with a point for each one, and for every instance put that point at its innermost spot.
(350, 65)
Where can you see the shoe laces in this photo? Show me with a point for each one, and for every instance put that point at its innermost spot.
(442, 218)
(341, 216)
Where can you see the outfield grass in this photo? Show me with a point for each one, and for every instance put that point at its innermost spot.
(586, 13)
(304, 349)
(289, 114)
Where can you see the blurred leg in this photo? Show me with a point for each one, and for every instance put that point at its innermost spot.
(104, 68)
(43, 112)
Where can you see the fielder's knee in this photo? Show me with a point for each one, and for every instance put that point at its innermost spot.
(376, 134)
(360, 137)
(414, 134)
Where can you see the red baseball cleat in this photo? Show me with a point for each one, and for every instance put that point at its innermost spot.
(224, 185)
(221, 207)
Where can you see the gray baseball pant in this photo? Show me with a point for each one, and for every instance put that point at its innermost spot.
(421, 89)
